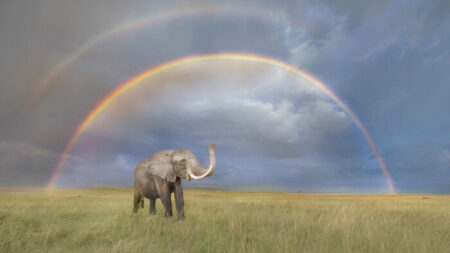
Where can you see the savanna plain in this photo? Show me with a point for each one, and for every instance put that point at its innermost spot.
(101, 220)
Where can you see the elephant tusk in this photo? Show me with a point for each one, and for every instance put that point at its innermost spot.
(202, 176)
(212, 164)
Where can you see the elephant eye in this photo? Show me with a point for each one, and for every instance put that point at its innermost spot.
(180, 162)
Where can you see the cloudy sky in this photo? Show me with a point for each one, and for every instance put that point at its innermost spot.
(274, 130)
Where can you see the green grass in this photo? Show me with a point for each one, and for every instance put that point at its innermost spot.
(101, 220)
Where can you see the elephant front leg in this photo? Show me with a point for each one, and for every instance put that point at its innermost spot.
(152, 206)
(166, 200)
(179, 201)
(163, 190)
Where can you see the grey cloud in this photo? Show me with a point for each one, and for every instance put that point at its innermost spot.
(283, 126)
(23, 164)
(443, 159)
(105, 170)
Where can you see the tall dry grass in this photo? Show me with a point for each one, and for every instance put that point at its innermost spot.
(100, 220)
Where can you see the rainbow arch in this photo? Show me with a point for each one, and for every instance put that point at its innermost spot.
(109, 98)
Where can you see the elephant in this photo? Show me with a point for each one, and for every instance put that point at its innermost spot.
(160, 175)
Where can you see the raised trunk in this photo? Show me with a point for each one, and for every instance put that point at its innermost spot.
(204, 172)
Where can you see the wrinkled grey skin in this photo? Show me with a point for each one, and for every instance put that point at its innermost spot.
(160, 175)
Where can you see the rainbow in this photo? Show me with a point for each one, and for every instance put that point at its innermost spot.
(49, 79)
(223, 56)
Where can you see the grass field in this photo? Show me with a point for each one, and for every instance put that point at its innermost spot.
(100, 220)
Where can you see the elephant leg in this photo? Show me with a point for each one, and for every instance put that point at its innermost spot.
(162, 187)
(152, 206)
(167, 202)
(137, 200)
(142, 202)
(179, 201)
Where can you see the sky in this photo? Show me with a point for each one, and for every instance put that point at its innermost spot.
(274, 129)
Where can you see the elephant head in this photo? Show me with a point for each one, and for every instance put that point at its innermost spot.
(173, 163)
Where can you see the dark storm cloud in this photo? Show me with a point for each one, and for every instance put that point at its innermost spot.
(399, 87)
(20, 160)
(387, 59)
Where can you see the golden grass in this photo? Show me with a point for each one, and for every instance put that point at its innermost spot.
(100, 220)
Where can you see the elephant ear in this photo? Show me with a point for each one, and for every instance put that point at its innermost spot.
(160, 164)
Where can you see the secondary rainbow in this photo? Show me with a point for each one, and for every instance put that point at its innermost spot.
(223, 56)
(267, 15)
